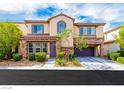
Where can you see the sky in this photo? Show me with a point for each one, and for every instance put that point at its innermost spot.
(111, 14)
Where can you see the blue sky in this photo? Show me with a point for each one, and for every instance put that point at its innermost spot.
(112, 14)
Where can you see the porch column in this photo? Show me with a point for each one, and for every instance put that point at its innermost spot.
(58, 46)
(48, 49)
(23, 49)
(101, 50)
(96, 51)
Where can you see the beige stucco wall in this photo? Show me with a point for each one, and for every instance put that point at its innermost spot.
(53, 24)
(99, 32)
(26, 27)
(111, 35)
(112, 47)
(69, 25)
(23, 28)
(76, 31)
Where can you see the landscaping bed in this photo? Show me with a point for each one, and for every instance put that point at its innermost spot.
(20, 63)
(69, 64)
(38, 58)
(63, 60)
(116, 56)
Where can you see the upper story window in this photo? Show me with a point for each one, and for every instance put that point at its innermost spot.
(37, 29)
(61, 26)
(87, 30)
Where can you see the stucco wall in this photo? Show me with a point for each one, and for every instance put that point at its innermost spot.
(76, 31)
(26, 28)
(23, 28)
(112, 47)
(110, 36)
(99, 32)
(53, 24)
(69, 25)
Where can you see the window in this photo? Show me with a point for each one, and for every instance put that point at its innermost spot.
(44, 47)
(38, 47)
(61, 26)
(87, 30)
(30, 48)
(37, 29)
(83, 30)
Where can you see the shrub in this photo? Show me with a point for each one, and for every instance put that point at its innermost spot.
(31, 57)
(12, 54)
(61, 55)
(71, 57)
(76, 62)
(40, 56)
(108, 55)
(1, 56)
(122, 53)
(16, 57)
(118, 51)
(60, 62)
(114, 55)
(120, 60)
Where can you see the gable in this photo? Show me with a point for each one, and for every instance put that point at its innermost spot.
(61, 15)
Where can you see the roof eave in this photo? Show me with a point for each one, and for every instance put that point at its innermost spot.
(90, 24)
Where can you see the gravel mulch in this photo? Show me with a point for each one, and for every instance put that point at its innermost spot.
(70, 64)
(20, 63)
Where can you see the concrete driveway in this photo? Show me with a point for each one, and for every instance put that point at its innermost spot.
(97, 63)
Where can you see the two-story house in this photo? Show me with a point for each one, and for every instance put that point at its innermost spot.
(40, 35)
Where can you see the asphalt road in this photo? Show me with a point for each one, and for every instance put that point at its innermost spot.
(61, 77)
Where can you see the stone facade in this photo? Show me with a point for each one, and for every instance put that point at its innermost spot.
(23, 49)
(69, 50)
(34, 38)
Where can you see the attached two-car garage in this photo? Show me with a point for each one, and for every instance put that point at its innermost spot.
(85, 52)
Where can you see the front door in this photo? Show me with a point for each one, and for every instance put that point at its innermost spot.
(53, 49)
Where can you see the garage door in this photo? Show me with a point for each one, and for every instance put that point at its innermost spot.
(85, 52)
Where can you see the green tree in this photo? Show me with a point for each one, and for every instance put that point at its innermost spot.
(64, 37)
(9, 37)
(65, 34)
(120, 37)
(80, 43)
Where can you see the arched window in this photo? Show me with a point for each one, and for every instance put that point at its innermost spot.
(61, 26)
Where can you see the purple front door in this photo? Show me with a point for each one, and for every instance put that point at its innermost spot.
(85, 52)
(53, 49)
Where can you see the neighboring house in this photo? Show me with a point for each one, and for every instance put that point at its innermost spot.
(109, 41)
(40, 35)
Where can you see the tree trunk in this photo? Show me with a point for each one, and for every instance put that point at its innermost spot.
(8, 54)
